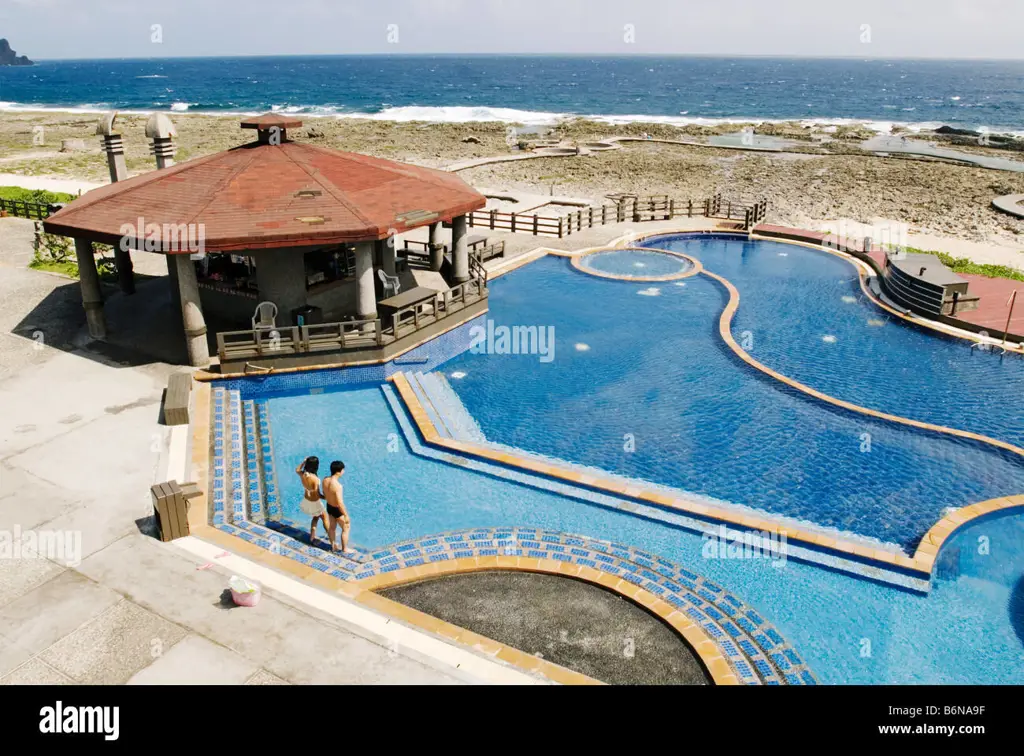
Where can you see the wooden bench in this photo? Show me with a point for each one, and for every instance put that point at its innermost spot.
(170, 507)
(179, 388)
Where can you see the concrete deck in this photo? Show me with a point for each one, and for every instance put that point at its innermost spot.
(79, 448)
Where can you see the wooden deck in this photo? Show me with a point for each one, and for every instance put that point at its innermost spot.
(993, 305)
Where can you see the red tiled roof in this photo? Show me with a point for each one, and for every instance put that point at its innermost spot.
(260, 196)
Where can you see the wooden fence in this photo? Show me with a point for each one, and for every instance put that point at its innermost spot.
(626, 210)
(30, 210)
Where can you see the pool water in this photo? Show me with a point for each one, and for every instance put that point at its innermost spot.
(802, 313)
(969, 630)
(635, 263)
(643, 386)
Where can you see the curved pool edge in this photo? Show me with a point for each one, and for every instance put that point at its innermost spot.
(696, 267)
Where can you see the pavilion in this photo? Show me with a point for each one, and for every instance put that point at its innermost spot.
(301, 226)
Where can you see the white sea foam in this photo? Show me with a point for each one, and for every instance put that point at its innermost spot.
(470, 114)
(181, 107)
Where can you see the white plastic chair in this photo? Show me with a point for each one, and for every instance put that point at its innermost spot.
(391, 283)
(265, 317)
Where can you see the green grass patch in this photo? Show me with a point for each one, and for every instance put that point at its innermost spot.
(965, 265)
(66, 268)
(39, 196)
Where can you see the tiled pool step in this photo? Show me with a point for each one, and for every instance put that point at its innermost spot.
(754, 648)
(428, 405)
(290, 547)
(449, 407)
(218, 473)
(271, 495)
(253, 468)
(234, 457)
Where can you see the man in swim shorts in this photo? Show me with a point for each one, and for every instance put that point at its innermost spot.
(311, 495)
(336, 506)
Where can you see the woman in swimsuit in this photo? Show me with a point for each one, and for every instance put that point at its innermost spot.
(311, 495)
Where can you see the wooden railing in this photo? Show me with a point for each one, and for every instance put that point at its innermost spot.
(352, 334)
(233, 346)
(262, 342)
(626, 210)
(30, 210)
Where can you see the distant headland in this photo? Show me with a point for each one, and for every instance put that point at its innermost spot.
(10, 58)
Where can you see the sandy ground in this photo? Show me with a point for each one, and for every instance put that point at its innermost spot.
(831, 184)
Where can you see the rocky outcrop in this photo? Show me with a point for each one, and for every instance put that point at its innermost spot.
(10, 58)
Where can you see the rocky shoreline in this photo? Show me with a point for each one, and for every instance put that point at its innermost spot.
(823, 176)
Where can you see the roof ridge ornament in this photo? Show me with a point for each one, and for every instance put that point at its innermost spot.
(272, 127)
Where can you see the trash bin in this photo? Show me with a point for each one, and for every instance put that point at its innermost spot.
(308, 315)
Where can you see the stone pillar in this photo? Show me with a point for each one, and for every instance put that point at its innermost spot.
(92, 298)
(160, 131)
(172, 282)
(366, 308)
(388, 255)
(163, 149)
(125, 270)
(460, 252)
(436, 247)
(192, 312)
(281, 277)
(113, 145)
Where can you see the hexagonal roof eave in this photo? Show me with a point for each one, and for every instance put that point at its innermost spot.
(262, 196)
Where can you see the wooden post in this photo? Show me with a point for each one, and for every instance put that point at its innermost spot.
(1006, 331)
(559, 228)
(494, 214)
(513, 223)
(535, 224)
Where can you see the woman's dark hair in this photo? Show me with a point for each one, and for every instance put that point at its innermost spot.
(311, 465)
(337, 467)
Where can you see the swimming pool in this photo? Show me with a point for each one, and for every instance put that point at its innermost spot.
(604, 404)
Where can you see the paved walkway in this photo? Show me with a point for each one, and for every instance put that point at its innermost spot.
(891, 144)
(79, 448)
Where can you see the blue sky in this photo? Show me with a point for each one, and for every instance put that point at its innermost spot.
(866, 28)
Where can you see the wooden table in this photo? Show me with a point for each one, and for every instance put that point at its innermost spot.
(392, 305)
(475, 241)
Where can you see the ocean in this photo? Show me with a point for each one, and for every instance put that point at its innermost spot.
(536, 90)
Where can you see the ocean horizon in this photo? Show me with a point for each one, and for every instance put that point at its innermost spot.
(919, 94)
